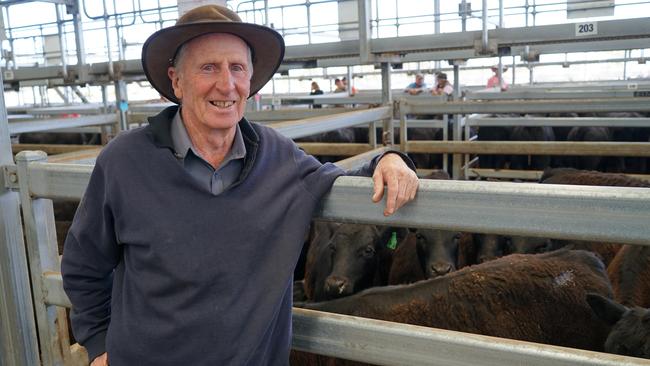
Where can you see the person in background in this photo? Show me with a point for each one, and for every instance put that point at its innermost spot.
(183, 248)
(493, 82)
(346, 86)
(340, 88)
(443, 86)
(315, 90)
(416, 87)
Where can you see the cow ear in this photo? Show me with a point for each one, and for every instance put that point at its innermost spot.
(606, 309)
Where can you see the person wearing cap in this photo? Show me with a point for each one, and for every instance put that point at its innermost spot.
(443, 86)
(493, 82)
(183, 247)
(416, 87)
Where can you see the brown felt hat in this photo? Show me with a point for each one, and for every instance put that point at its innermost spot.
(159, 51)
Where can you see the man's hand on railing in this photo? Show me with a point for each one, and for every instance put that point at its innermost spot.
(101, 360)
(401, 183)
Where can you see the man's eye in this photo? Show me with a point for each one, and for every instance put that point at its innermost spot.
(237, 68)
(207, 68)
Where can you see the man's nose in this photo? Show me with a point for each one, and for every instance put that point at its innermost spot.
(224, 81)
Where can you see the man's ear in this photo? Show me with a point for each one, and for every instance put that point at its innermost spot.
(174, 76)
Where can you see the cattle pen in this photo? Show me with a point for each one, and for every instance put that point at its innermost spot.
(378, 46)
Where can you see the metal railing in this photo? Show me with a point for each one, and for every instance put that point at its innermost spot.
(461, 128)
(574, 212)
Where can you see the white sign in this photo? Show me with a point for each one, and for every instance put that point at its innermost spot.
(586, 29)
(8, 75)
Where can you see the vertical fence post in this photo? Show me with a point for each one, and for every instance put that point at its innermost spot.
(18, 340)
(40, 232)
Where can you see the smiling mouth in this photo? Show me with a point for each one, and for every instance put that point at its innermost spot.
(222, 104)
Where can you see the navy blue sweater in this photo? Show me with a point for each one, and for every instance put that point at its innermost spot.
(161, 272)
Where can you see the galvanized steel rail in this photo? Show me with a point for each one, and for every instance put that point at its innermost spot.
(61, 123)
(395, 344)
(311, 126)
(530, 106)
(602, 213)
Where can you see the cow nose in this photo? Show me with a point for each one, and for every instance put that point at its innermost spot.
(439, 269)
(336, 285)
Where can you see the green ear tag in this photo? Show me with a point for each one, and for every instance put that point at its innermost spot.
(392, 243)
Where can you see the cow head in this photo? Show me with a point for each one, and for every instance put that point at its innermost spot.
(630, 332)
(356, 253)
(489, 247)
(437, 251)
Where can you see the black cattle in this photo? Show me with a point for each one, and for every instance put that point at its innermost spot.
(491, 246)
(341, 135)
(344, 259)
(427, 253)
(600, 163)
(63, 138)
(630, 326)
(488, 247)
(629, 272)
(590, 178)
(493, 133)
(425, 161)
(535, 162)
(538, 298)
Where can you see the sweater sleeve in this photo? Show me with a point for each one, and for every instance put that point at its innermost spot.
(90, 255)
(368, 168)
(318, 178)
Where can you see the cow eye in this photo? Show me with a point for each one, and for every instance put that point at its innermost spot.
(457, 237)
(419, 236)
(332, 247)
(368, 251)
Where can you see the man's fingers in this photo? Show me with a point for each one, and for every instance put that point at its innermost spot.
(378, 180)
(403, 195)
(392, 191)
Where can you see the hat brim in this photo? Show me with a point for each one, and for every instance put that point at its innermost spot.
(159, 50)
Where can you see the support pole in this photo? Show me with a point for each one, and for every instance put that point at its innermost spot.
(121, 103)
(386, 100)
(18, 339)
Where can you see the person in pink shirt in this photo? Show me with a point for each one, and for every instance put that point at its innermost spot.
(493, 82)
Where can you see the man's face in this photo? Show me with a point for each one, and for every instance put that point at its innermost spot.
(212, 81)
(419, 80)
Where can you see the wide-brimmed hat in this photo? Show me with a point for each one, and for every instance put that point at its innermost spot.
(159, 51)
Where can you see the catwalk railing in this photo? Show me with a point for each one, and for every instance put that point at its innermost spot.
(573, 212)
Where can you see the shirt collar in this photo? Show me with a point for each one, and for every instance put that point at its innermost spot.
(182, 142)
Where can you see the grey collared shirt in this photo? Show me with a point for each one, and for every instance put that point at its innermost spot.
(214, 180)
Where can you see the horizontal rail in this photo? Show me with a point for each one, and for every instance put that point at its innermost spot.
(523, 174)
(385, 343)
(294, 114)
(95, 108)
(531, 148)
(573, 212)
(529, 106)
(388, 343)
(334, 148)
(554, 94)
(311, 126)
(357, 161)
(53, 290)
(560, 122)
(51, 149)
(419, 123)
(61, 123)
(615, 214)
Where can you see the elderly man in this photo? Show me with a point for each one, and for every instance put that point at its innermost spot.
(183, 248)
(416, 87)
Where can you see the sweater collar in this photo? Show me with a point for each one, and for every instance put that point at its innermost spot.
(160, 127)
(160, 130)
